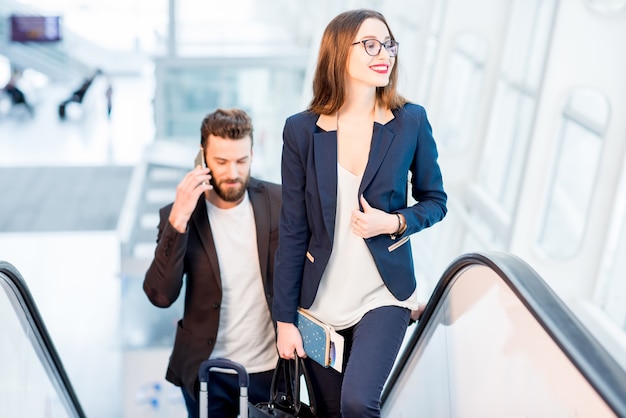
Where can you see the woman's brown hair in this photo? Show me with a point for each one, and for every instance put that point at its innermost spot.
(329, 89)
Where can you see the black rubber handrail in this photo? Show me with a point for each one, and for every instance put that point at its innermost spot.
(30, 313)
(591, 359)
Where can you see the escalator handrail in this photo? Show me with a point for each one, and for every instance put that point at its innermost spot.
(592, 360)
(30, 311)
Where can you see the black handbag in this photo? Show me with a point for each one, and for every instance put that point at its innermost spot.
(286, 404)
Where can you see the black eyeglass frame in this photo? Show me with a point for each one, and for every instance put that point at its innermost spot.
(391, 43)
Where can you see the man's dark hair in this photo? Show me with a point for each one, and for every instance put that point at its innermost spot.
(226, 123)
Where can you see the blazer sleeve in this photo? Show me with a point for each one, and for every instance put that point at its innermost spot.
(426, 182)
(294, 230)
(164, 277)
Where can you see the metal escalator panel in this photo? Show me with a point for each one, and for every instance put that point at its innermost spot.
(495, 341)
(33, 382)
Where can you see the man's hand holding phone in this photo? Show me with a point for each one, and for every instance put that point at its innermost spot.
(196, 182)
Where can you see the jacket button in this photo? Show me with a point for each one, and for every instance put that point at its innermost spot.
(211, 341)
(216, 305)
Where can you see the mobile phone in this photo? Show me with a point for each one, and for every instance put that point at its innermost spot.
(199, 161)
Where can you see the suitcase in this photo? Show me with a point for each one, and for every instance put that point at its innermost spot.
(222, 363)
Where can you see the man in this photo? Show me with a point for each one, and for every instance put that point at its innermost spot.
(221, 234)
(16, 94)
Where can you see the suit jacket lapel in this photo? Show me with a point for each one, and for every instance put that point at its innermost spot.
(382, 139)
(325, 155)
(200, 220)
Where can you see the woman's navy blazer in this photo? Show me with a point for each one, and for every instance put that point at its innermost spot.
(402, 150)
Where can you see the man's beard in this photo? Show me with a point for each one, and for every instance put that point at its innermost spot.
(230, 194)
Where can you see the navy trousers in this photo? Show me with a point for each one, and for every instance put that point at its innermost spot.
(223, 392)
(371, 347)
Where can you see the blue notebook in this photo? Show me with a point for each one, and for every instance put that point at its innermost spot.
(321, 342)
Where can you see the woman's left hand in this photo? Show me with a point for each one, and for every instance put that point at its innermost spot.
(417, 313)
(372, 222)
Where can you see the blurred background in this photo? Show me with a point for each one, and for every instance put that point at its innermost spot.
(99, 120)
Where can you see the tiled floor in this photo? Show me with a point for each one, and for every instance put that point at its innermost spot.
(91, 199)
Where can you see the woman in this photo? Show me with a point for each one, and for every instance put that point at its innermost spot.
(344, 252)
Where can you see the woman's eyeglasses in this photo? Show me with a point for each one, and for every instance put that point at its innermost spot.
(373, 46)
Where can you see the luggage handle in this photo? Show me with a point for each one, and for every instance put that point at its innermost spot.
(203, 376)
(203, 373)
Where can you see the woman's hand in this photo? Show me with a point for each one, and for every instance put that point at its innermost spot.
(417, 313)
(372, 222)
(289, 341)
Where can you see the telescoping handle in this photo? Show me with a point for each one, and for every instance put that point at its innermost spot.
(222, 363)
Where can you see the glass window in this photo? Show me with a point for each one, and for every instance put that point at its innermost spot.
(612, 294)
(461, 96)
(514, 108)
(187, 92)
(518, 38)
(507, 139)
(432, 44)
(576, 163)
(527, 42)
(481, 236)
(611, 290)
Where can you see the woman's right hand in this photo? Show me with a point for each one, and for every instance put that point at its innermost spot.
(289, 341)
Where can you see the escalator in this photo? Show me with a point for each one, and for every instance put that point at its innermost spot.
(495, 341)
(33, 382)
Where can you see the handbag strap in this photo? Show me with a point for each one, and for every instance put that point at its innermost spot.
(299, 364)
(281, 370)
(292, 383)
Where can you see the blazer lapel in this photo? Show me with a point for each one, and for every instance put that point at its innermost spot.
(382, 138)
(259, 202)
(200, 220)
(325, 156)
